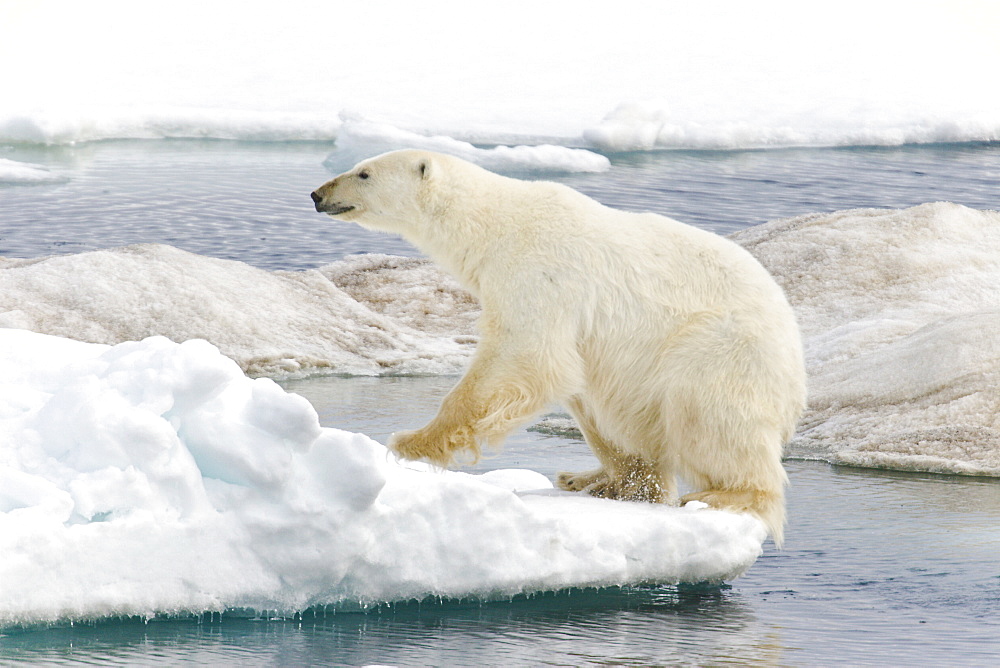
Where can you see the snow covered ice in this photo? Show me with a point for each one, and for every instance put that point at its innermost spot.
(14, 172)
(269, 322)
(155, 477)
(900, 315)
(358, 140)
(637, 76)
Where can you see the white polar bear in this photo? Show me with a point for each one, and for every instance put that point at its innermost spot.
(673, 348)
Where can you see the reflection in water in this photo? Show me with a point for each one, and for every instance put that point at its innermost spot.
(623, 626)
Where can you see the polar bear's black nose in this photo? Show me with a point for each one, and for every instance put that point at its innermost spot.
(317, 198)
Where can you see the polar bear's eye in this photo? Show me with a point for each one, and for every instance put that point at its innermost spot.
(363, 174)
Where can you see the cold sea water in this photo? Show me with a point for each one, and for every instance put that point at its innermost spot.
(879, 568)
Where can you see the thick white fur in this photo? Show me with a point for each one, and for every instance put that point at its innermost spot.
(673, 348)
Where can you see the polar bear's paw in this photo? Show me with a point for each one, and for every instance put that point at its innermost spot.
(433, 446)
(768, 506)
(636, 485)
(738, 501)
(630, 487)
(579, 482)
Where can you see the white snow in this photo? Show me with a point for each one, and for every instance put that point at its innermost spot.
(665, 74)
(155, 478)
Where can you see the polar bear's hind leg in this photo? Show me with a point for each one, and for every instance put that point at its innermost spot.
(768, 507)
(579, 482)
(622, 476)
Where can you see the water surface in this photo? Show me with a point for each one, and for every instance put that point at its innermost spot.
(250, 201)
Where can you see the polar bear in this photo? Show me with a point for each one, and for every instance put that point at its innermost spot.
(673, 348)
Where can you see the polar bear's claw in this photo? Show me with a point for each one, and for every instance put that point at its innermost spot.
(579, 482)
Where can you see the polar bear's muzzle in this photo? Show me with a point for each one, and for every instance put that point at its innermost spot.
(332, 208)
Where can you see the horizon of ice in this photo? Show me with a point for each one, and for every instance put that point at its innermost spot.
(641, 77)
(360, 139)
(899, 312)
(91, 124)
(647, 127)
(155, 478)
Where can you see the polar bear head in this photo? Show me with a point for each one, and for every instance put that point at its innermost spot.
(393, 192)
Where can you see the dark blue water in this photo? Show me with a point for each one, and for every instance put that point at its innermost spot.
(879, 568)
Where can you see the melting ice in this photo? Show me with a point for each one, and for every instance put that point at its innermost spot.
(358, 140)
(15, 172)
(366, 315)
(900, 313)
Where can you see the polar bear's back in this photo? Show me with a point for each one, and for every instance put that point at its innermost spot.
(630, 288)
(667, 310)
(650, 257)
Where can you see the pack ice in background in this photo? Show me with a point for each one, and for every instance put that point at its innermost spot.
(639, 76)
(125, 459)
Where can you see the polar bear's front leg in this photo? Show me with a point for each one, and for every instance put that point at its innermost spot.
(451, 431)
(499, 391)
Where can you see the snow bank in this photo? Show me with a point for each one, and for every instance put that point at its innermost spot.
(84, 124)
(366, 315)
(900, 314)
(884, 75)
(649, 126)
(14, 172)
(154, 477)
(359, 139)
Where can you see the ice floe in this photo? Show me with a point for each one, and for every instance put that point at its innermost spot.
(154, 477)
